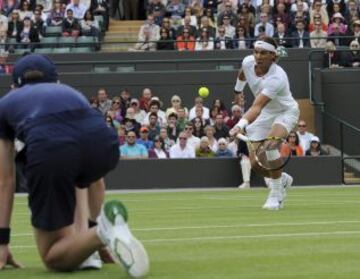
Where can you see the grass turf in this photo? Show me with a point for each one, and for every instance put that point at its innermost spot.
(226, 234)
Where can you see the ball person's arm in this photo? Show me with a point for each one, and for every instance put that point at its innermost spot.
(7, 189)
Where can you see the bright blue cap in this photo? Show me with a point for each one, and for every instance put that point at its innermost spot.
(31, 62)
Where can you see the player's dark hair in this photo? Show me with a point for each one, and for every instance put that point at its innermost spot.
(269, 40)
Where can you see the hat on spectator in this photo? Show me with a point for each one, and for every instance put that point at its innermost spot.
(134, 100)
(235, 107)
(39, 63)
(356, 22)
(315, 139)
(338, 15)
(144, 129)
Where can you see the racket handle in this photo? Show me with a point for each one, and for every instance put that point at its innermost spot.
(243, 137)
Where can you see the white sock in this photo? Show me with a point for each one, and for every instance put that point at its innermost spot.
(275, 185)
(267, 181)
(284, 178)
(245, 169)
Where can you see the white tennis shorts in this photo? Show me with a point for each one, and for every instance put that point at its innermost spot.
(260, 128)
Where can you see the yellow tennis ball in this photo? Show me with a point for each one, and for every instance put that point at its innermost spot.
(203, 92)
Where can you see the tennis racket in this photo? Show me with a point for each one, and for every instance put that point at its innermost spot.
(272, 153)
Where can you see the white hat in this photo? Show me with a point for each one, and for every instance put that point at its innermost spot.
(222, 140)
(338, 15)
(315, 138)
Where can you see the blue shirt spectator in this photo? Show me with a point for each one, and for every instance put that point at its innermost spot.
(131, 149)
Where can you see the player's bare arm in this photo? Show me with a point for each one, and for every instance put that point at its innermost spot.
(254, 111)
(240, 82)
(7, 188)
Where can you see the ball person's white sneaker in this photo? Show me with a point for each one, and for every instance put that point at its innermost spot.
(114, 232)
(92, 262)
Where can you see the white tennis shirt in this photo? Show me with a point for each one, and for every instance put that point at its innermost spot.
(274, 84)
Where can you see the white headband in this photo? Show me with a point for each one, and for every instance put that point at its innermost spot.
(265, 45)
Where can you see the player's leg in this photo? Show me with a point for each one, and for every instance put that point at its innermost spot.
(65, 249)
(277, 177)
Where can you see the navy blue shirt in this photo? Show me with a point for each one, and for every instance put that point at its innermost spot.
(39, 105)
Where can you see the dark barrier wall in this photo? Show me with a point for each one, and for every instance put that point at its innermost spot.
(183, 173)
(166, 82)
(339, 91)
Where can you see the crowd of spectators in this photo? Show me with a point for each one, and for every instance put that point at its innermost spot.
(24, 23)
(147, 128)
(235, 24)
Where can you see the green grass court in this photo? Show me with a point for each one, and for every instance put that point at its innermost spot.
(226, 234)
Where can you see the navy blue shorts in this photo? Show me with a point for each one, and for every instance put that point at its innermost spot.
(59, 157)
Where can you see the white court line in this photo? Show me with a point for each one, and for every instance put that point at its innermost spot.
(230, 237)
(231, 226)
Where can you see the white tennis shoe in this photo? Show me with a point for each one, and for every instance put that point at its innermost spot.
(287, 181)
(272, 202)
(114, 232)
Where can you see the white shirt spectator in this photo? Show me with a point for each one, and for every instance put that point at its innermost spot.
(79, 10)
(269, 29)
(3, 22)
(193, 142)
(229, 31)
(233, 147)
(209, 45)
(305, 140)
(154, 32)
(161, 118)
(205, 115)
(140, 116)
(177, 152)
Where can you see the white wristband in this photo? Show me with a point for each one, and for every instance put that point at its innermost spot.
(242, 123)
(239, 86)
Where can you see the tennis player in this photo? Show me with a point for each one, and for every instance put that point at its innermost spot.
(67, 144)
(274, 112)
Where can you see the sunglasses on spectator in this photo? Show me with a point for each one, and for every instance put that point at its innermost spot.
(183, 138)
(221, 143)
(116, 102)
(176, 101)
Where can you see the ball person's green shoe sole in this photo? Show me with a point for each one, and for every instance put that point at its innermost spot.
(114, 232)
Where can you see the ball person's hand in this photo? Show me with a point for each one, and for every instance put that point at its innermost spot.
(6, 258)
